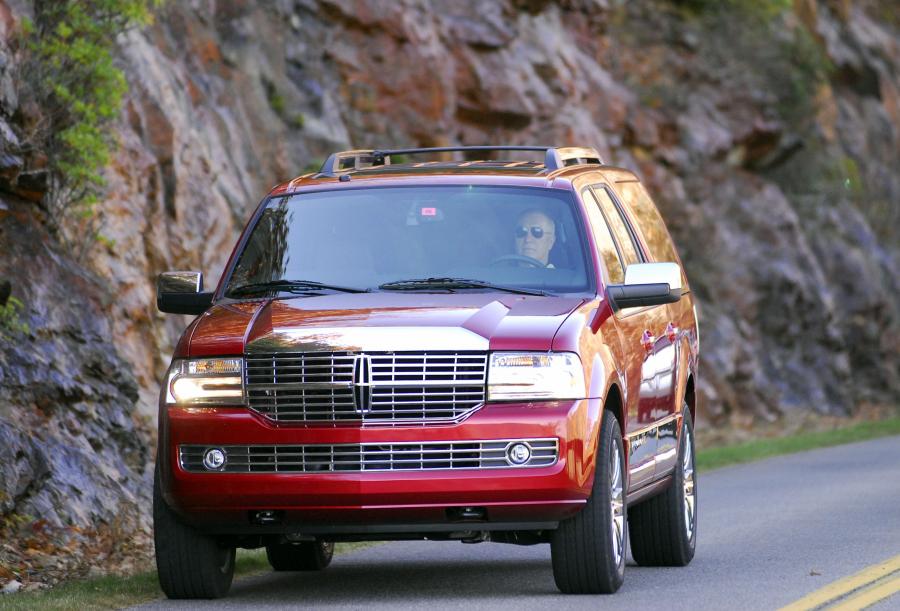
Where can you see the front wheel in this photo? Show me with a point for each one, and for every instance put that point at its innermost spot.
(664, 528)
(588, 550)
(189, 563)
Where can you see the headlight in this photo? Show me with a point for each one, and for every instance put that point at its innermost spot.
(523, 375)
(205, 382)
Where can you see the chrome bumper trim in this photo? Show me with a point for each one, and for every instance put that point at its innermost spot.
(370, 457)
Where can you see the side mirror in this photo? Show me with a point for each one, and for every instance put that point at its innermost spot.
(182, 293)
(647, 284)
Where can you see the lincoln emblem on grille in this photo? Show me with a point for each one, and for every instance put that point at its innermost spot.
(362, 383)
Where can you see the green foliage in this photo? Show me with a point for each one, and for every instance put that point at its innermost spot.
(279, 105)
(313, 166)
(107, 242)
(9, 318)
(713, 458)
(822, 176)
(805, 68)
(845, 171)
(883, 11)
(298, 121)
(761, 9)
(757, 45)
(276, 101)
(118, 591)
(74, 81)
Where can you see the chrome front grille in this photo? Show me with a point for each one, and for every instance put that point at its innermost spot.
(379, 387)
(370, 456)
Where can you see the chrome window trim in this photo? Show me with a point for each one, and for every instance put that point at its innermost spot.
(655, 425)
(661, 462)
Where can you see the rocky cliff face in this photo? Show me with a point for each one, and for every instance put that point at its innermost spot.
(771, 141)
(75, 463)
(784, 219)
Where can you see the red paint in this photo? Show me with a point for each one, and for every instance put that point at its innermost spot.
(613, 346)
(520, 494)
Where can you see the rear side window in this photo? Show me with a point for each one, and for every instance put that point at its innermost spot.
(627, 246)
(604, 239)
(649, 221)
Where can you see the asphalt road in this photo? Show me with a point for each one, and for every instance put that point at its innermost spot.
(769, 533)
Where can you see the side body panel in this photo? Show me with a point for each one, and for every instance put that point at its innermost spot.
(602, 340)
(678, 338)
(646, 353)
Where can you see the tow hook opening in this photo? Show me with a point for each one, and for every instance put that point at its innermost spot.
(267, 517)
(467, 514)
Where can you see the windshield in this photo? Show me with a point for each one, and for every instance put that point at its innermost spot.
(369, 237)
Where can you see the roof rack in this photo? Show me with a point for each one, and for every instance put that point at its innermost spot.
(554, 157)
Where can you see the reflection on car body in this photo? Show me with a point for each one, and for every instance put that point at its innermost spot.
(483, 350)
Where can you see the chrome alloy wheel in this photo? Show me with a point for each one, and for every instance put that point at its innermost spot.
(690, 497)
(617, 506)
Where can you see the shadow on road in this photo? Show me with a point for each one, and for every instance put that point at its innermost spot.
(405, 579)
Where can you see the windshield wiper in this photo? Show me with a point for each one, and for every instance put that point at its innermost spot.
(291, 286)
(415, 284)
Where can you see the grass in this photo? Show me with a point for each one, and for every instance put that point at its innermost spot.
(109, 592)
(713, 458)
(114, 592)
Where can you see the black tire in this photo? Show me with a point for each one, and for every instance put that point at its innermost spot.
(190, 564)
(663, 529)
(582, 548)
(306, 556)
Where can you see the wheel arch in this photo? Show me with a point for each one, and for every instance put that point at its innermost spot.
(614, 403)
(690, 397)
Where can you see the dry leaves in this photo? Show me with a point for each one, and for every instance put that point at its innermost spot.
(37, 554)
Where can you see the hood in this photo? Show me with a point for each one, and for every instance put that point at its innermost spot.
(382, 322)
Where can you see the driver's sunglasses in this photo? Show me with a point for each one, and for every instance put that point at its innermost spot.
(536, 232)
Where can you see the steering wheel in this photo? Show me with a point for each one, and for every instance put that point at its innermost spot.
(517, 259)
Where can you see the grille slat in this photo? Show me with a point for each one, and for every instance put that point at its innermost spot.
(402, 387)
(370, 456)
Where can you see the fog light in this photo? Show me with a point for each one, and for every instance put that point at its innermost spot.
(518, 453)
(214, 459)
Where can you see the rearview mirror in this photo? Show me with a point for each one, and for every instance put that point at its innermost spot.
(647, 284)
(181, 293)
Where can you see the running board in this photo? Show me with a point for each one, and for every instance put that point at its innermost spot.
(650, 490)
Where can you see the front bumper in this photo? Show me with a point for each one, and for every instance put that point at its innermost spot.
(379, 501)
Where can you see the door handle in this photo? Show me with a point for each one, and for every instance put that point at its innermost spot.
(671, 332)
(647, 341)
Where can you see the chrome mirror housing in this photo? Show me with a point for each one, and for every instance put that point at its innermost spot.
(647, 284)
(181, 293)
(179, 282)
(654, 273)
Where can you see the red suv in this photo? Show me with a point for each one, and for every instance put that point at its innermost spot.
(479, 350)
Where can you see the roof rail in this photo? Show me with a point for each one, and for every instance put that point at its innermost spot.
(344, 161)
(555, 158)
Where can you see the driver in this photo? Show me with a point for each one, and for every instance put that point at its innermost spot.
(535, 236)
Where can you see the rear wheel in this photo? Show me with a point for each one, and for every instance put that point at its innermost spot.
(190, 564)
(664, 529)
(306, 556)
(588, 550)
